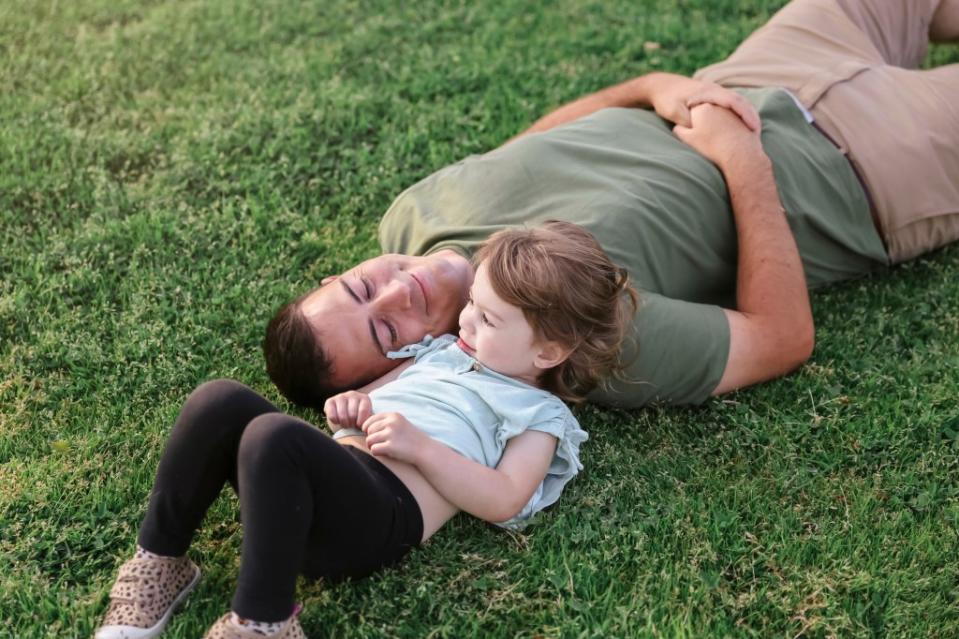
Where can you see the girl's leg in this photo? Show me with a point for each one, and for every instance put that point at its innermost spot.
(312, 506)
(200, 456)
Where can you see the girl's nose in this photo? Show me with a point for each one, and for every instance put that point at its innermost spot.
(466, 322)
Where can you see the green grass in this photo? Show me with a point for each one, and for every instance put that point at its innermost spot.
(170, 172)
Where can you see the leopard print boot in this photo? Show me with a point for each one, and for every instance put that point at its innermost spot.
(144, 596)
(224, 628)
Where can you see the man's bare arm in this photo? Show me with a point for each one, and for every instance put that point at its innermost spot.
(669, 94)
(771, 330)
(387, 377)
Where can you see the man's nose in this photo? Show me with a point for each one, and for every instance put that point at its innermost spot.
(394, 296)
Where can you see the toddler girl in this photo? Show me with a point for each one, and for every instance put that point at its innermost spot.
(474, 422)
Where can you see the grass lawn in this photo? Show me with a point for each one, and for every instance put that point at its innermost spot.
(170, 172)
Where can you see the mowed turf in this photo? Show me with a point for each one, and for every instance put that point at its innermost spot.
(170, 172)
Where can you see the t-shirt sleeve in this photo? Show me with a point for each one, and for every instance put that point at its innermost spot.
(677, 354)
(553, 418)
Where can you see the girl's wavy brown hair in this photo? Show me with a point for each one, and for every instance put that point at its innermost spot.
(570, 292)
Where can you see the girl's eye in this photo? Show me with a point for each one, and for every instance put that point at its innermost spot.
(486, 320)
(368, 288)
(394, 338)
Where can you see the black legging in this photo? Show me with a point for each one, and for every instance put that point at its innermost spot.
(308, 505)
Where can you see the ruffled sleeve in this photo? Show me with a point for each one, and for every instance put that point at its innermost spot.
(553, 417)
(427, 345)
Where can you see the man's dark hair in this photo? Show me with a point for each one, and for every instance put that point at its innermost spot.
(295, 361)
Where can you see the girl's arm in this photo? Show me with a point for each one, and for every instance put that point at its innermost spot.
(492, 494)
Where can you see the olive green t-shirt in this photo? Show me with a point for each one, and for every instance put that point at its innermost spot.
(659, 209)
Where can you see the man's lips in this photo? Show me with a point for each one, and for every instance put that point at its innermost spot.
(426, 298)
(466, 347)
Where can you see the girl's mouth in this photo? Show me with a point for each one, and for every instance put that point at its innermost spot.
(466, 347)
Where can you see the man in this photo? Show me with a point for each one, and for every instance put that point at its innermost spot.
(723, 230)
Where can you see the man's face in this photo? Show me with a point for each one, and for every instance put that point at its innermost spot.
(382, 305)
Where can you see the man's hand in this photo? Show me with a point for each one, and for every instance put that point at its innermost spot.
(674, 96)
(671, 95)
(392, 435)
(718, 133)
(348, 410)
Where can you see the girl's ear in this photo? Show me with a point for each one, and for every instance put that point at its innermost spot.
(329, 278)
(550, 354)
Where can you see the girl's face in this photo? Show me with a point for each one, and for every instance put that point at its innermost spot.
(498, 336)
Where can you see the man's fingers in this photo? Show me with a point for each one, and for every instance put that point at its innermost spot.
(739, 105)
(682, 117)
(747, 113)
(716, 98)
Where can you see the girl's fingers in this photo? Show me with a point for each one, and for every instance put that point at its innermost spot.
(331, 413)
(358, 409)
(379, 436)
(371, 425)
(342, 412)
(364, 412)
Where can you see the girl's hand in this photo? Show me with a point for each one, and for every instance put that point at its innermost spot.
(348, 410)
(675, 96)
(392, 435)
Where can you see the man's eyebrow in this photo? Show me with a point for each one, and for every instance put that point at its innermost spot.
(350, 291)
(376, 339)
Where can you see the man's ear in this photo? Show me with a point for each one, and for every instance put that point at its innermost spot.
(550, 354)
(329, 278)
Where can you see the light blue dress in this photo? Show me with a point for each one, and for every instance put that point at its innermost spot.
(456, 400)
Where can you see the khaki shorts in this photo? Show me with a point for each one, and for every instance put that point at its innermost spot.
(853, 64)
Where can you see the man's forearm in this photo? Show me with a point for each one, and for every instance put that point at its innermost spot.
(770, 284)
(771, 330)
(632, 93)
